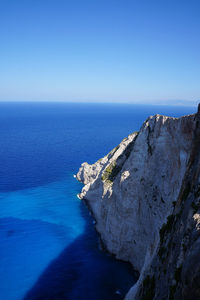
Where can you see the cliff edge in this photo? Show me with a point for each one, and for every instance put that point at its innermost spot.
(144, 198)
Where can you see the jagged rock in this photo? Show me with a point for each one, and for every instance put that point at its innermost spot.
(132, 191)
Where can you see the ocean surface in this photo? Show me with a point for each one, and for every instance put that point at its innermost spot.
(48, 246)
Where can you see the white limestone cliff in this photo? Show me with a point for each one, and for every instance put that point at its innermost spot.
(133, 189)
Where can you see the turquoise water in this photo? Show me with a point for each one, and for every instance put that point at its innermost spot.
(36, 224)
(49, 249)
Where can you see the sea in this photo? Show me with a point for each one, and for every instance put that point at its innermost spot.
(49, 249)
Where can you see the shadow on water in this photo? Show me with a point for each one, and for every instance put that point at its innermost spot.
(83, 272)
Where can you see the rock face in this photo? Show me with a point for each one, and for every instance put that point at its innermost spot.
(144, 196)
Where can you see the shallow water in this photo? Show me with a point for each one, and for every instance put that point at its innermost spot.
(48, 248)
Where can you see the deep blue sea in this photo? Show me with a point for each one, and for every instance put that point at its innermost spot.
(48, 247)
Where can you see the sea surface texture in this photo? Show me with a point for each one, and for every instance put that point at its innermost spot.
(48, 246)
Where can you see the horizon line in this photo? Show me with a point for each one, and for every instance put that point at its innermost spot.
(186, 103)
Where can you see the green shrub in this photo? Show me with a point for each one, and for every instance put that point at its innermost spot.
(148, 291)
(194, 206)
(177, 274)
(186, 192)
(174, 203)
(172, 292)
(161, 252)
(111, 172)
(166, 227)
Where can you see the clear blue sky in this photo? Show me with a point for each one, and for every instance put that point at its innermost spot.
(123, 51)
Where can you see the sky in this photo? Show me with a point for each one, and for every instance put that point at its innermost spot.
(139, 51)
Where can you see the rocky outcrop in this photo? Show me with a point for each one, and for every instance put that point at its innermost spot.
(144, 198)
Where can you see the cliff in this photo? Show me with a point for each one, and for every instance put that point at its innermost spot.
(144, 198)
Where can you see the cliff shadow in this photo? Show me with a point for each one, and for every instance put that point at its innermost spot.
(83, 272)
